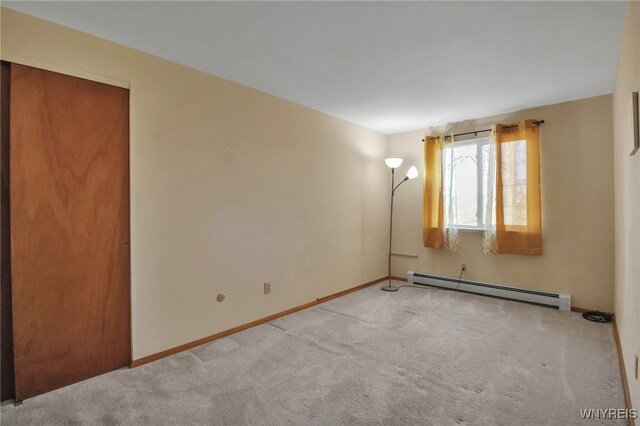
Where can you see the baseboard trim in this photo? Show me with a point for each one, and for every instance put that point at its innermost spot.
(154, 357)
(623, 372)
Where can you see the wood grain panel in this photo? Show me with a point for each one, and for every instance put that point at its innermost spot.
(69, 229)
(7, 383)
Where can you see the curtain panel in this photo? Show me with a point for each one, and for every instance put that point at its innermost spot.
(433, 197)
(517, 207)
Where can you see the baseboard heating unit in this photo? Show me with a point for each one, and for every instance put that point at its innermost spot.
(561, 301)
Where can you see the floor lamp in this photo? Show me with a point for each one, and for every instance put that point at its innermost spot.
(393, 164)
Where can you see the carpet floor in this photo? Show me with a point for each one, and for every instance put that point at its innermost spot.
(419, 356)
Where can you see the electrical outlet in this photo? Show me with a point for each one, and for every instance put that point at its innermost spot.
(463, 266)
(267, 288)
(221, 297)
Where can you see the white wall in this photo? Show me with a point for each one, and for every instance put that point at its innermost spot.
(230, 187)
(627, 202)
(576, 152)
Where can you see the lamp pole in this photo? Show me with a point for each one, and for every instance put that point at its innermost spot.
(394, 163)
(389, 287)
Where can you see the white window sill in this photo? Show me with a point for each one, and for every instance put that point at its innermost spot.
(473, 230)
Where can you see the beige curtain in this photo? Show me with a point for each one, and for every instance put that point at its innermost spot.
(433, 213)
(515, 224)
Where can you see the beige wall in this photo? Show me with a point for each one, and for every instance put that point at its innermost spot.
(577, 208)
(230, 187)
(627, 201)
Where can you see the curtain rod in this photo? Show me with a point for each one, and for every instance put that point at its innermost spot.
(537, 122)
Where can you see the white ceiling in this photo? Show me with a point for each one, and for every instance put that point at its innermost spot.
(389, 66)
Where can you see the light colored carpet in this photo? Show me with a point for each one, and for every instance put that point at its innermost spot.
(418, 356)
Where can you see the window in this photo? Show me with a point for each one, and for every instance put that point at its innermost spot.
(466, 166)
(465, 169)
(501, 171)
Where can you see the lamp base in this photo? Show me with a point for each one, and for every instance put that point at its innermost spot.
(388, 287)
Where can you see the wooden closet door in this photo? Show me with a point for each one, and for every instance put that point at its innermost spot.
(69, 172)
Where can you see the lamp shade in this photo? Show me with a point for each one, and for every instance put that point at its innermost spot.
(393, 163)
(412, 173)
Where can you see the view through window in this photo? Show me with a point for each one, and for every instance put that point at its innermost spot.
(466, 166)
